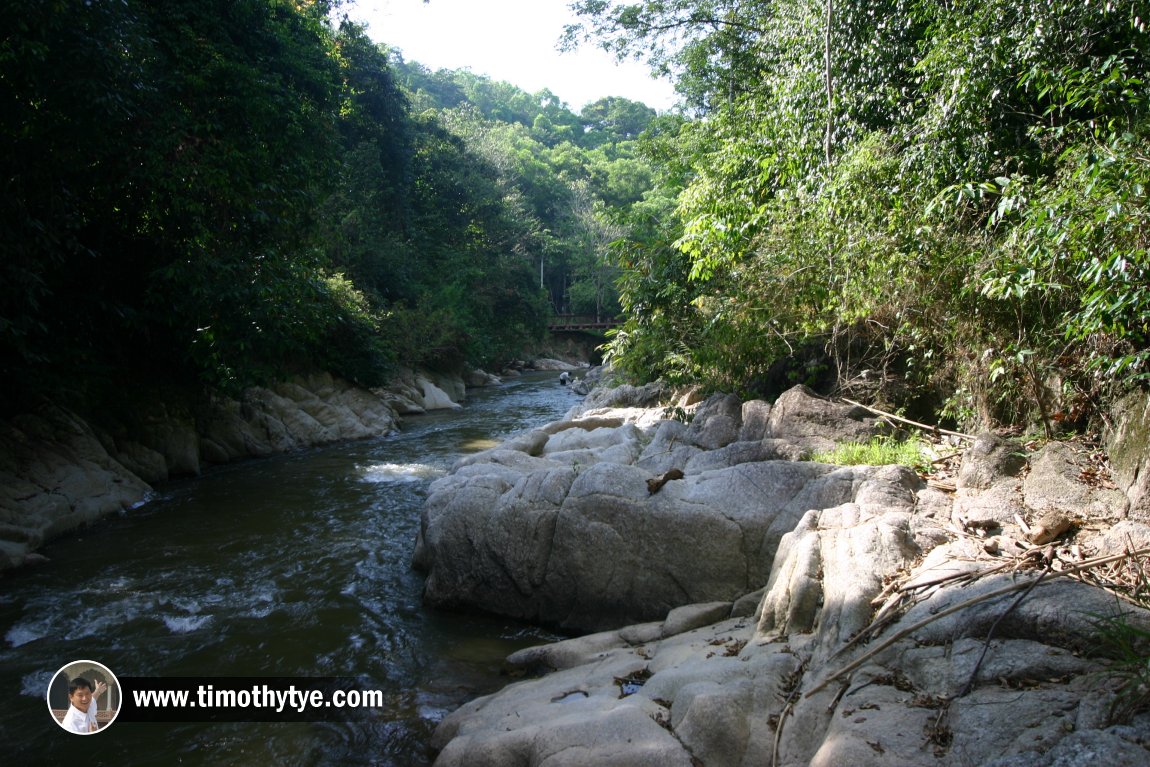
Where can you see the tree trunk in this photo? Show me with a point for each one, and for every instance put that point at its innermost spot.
(829, 77)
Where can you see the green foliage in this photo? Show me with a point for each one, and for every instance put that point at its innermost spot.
(351, 334)
(951, 193)
(162, 167)
(662, 324)
(228, 192)
(567, 180)
(879, 451)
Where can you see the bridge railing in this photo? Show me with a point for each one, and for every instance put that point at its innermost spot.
(582, 322)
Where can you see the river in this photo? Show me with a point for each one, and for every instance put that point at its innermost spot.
(296, 565)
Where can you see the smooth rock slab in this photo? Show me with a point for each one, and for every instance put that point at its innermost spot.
(590, 548)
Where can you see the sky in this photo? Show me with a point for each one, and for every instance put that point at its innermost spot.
(511, 40)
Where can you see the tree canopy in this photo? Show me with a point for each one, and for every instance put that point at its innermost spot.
(941, 200)
(217, 194)
(950, 195)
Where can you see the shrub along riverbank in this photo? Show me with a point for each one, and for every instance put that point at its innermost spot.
(929, 205)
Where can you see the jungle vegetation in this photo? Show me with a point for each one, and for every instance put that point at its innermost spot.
(209, 194)
(934, 201)
(937, 204)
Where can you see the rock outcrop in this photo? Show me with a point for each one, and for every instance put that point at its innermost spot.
(58, 472)
(560, 526)
(318, 410)
(810, 615)
(1128, 445)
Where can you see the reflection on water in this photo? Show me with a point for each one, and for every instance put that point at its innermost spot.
(291, 566)
(475, 445)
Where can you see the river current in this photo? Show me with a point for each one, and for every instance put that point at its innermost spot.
(293, 566)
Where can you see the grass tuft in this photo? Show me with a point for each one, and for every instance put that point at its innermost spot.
(1128, 646)
(879, 451)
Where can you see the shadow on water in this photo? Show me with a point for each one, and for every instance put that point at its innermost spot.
(294, 566)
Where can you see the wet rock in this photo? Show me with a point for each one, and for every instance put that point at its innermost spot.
(475, 379)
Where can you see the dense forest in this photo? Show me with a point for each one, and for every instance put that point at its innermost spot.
(200, 196)
(940, 205)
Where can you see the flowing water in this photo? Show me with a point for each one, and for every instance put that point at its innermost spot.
(290, 566)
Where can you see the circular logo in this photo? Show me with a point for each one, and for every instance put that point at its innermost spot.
(84, 697)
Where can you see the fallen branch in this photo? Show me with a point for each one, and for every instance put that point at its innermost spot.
(788, 709)
(886, 614)
(1028, 584)
(994, 626)
(932, 429)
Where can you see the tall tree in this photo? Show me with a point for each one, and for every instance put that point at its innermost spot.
(163, 164)
(924, 167)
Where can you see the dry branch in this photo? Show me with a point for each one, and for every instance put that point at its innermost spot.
(1027, 584)
(932, 429)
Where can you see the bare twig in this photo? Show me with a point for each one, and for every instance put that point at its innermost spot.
(792, 695)
(779, 731)
(1018, 520)
(962, 606)
(990, 634)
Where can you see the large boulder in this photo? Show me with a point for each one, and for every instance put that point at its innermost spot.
(410, 392)
(548, 363)
(819, 582)
(474, 379)
(435, 397)
(717, 422)
(989, 483)
(588, 547)
(949, 680)
(877, 630)
(1128, 445)
(817, 423)
(990, 460)
(624, 396)
(616, 518)
(56, 474)
(304, 412)
(1055, 483)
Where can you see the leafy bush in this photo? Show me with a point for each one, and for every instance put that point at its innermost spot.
(971, 178)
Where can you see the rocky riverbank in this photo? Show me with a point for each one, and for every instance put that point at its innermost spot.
(753, 608)
(60, 470)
